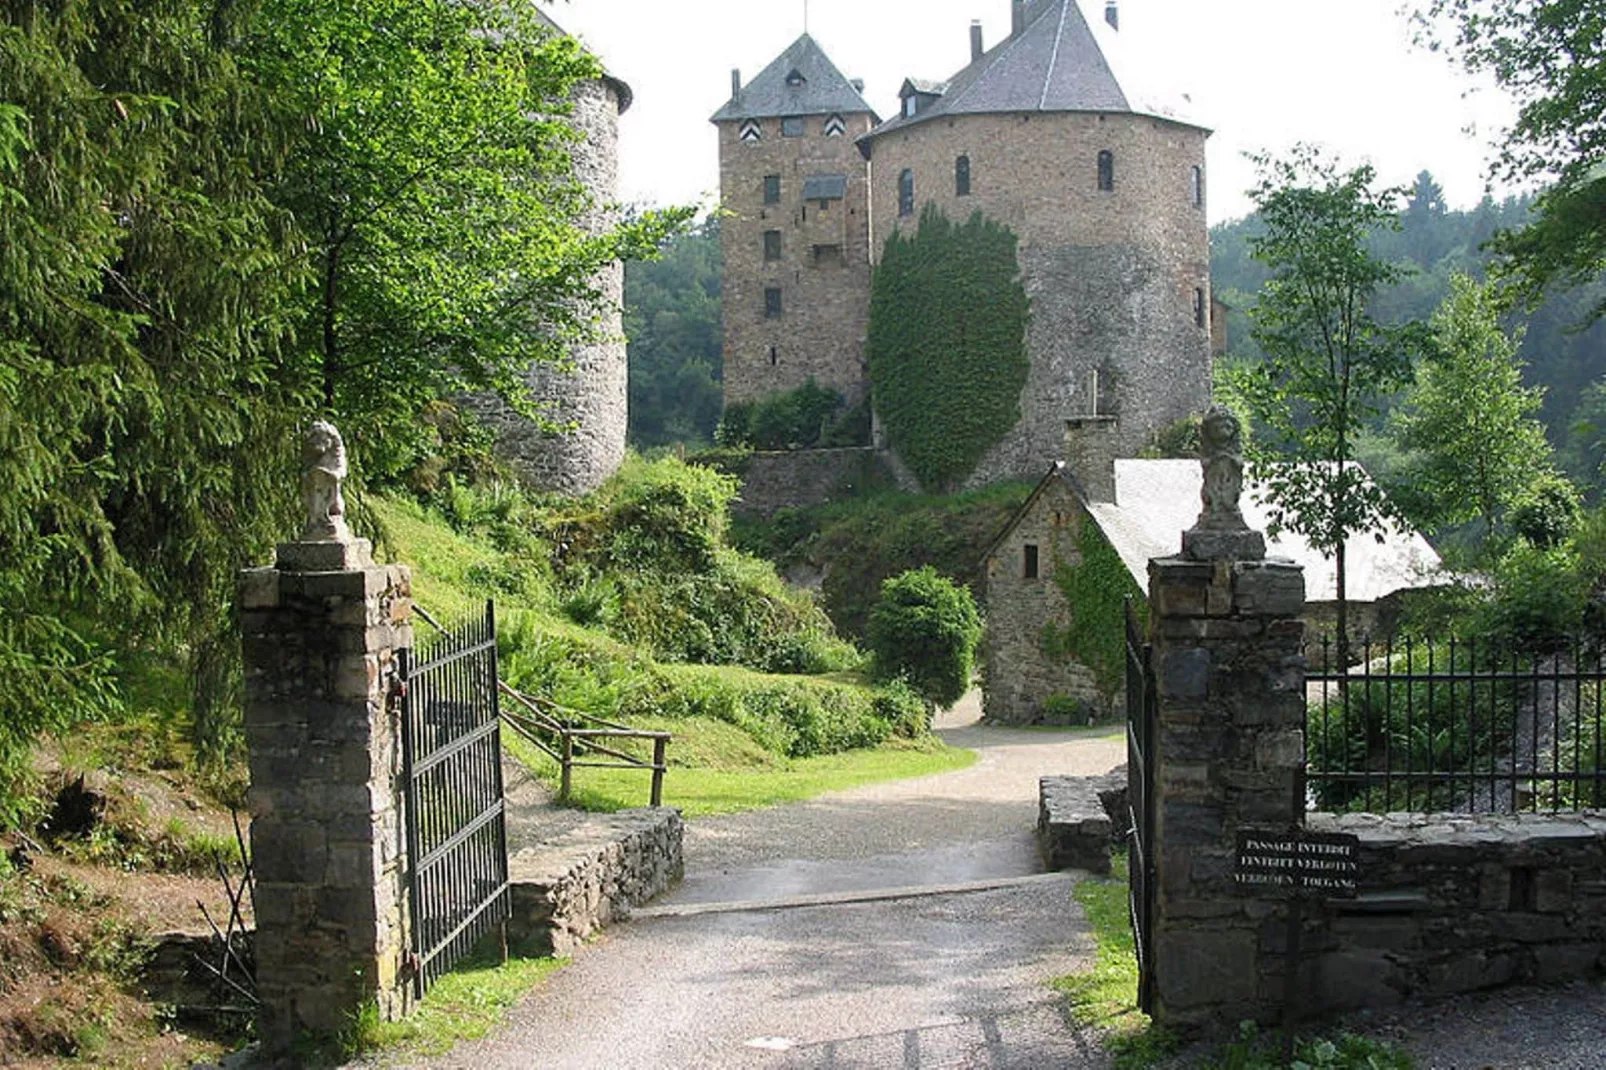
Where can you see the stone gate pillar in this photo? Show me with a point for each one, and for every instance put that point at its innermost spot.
(1229, 750)
(320, 633)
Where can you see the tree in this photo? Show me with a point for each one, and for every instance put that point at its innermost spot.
(1327, 362)
(433, 182)
(925, 630)
(147, 286)
(947, 343)
(1469, 419)
(1550, 55)
(672, 317)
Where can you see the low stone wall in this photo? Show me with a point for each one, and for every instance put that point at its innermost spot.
(568, 887)
(1073, 830)
(802, 478)
(1450, 904)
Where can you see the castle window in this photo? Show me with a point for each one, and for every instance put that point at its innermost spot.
(1196, 188)
(962, 177)
(772, 302)
(752, 131)
(835, 126)
(1201, 311)
(772, 245)
(910, 105)
(1029, 562)
(1107, 171)
(906, 193)
(796, 78)
(772, 189)
(792, 126)
(775, 357)
(828, 254)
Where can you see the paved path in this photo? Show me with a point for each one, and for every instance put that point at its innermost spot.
(925, 980)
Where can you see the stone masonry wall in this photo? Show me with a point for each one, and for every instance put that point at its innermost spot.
(1112, 275)
(1454, 903)
(1018, 672)
(803, 478)
(592, 394)
(826, 304)
(326, 832)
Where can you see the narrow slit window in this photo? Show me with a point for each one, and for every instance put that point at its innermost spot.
(962, 176)
(1029, 562)
(906, 193)
(775, 357)
(1201, 309)
(1196, 187)
(1107, 171)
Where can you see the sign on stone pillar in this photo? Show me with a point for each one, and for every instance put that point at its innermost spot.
(320, 633)
(1229, 751)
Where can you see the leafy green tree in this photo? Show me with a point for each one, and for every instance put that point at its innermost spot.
(1469, 420)
(432, 179)
(672, 317)
(1328, 363)
(147, 285)
(1550, 56)
(947, 343)
(925, 630)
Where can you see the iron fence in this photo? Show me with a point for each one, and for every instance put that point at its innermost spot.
(1419, 724)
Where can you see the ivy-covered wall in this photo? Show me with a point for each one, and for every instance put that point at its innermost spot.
(947, 344)
(1055, 648)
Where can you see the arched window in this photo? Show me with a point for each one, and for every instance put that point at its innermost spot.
(1107, 171)
(906, 192)
(1196, 187)
(962, 176)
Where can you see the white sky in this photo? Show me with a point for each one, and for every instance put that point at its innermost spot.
(1262, 73)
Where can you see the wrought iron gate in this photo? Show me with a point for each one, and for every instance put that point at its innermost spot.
(454, 811)
(1140, 733)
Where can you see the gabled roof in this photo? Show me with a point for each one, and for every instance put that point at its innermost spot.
(1061, 62)
(777, 92)
(1156, 501)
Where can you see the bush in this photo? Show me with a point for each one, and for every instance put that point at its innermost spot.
(1547, 515)
(798, 419)
(1538, 599)
(925, 630)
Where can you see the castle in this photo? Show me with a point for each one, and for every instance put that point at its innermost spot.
(1049, 133)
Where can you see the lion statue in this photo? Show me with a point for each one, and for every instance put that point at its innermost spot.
(324, 458)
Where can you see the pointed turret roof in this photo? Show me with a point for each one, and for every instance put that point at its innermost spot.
(1060, 61)
(621, 88)
(801, 81)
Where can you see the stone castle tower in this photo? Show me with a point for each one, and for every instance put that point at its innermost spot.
(797, 236)
(1052, 133)
(593, 395)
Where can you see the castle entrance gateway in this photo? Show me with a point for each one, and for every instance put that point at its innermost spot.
(455, 815)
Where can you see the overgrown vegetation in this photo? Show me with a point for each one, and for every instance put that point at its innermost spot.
(806, 418)
(924, 631)
(1096, 590)
(850, 548)
(947, 343)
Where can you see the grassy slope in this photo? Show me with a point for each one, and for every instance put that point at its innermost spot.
(715, 766)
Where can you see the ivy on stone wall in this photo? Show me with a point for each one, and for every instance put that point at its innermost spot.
(947, 344)
(1096, 590)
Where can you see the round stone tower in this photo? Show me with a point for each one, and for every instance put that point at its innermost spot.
(592, 395)
(1103, 182)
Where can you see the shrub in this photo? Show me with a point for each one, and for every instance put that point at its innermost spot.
(925, 630)
(1547, 515)
(1538, 599)
(797, 419)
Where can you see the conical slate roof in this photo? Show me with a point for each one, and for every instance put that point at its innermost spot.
(620, 87)
(1061, 62)
(801, 81)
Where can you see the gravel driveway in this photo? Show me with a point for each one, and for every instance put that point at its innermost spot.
(924, 979)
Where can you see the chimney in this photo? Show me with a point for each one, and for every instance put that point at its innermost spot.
(1017, 17)
(1090, 445)
(1112, 14)
(976, 48)
(736, 82)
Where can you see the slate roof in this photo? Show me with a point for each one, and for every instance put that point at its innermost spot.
(1156, 501)
(1063, 61)
(825, 90)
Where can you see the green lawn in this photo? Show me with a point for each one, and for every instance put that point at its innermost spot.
(717, 769)
(463, 1005)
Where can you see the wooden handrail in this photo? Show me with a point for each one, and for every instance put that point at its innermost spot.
(542, 715)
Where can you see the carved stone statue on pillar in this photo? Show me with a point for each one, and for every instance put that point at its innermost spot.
(326, 545)
(1221, 532)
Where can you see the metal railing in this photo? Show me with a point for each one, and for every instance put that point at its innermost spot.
(570, 737)
(1467, 725)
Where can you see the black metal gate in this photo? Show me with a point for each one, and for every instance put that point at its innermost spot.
(454, 811)
(1140, 733)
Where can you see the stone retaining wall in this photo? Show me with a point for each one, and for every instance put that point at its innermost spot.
(1073, 830)
(567, 888)
(1450, 904)
(802, 478)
